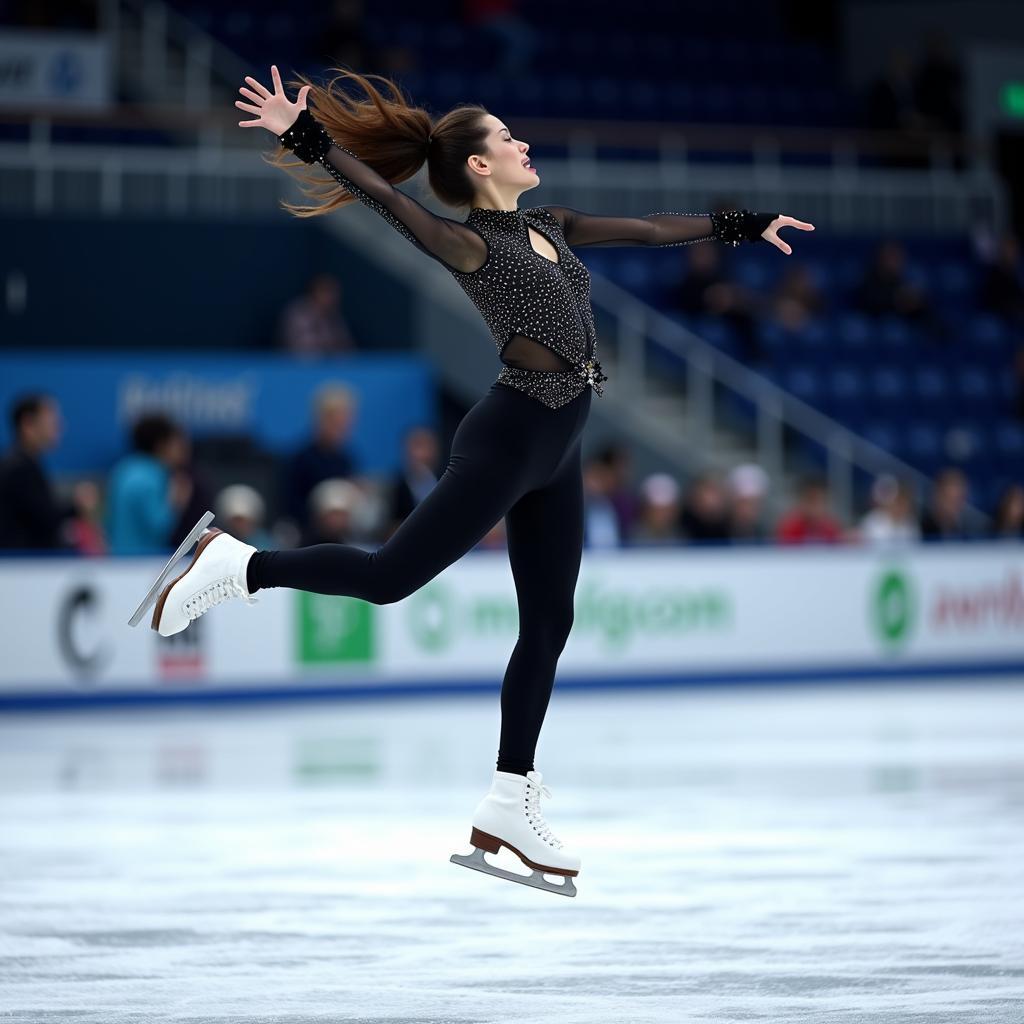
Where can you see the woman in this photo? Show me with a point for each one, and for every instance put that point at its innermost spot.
(517, 451)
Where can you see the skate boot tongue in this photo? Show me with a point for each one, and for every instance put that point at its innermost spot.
(535, 778)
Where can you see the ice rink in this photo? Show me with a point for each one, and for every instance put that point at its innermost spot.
(851, 853)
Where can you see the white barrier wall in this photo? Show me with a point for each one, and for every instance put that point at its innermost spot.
(678, 615)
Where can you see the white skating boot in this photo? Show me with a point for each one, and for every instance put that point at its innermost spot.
(510, 816)
(215, 574)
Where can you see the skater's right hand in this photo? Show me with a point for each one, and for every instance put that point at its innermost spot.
(274, 111)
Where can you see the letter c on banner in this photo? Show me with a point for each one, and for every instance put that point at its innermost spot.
(84, 650)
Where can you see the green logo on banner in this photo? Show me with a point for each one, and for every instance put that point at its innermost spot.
(439, 616)
(893, 608)
(334, 630)
(429, 615)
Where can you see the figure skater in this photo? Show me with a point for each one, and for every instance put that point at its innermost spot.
(516, 453)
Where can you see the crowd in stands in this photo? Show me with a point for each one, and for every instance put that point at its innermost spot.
(886, 288)
(155, 492)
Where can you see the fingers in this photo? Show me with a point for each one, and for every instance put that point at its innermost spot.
(261, 89)
(248, 107)
(276, 75)
(303, 93)
(250, 124)
(253, 96)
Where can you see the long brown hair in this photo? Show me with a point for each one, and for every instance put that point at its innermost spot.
(390, 135)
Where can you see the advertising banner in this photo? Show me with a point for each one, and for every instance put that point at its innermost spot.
(54, 69)
(672, 616)
(266, 397)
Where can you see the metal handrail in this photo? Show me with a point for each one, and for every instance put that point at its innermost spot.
(776, 409)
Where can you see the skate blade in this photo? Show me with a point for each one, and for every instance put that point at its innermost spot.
(536, 880)
(150, 599)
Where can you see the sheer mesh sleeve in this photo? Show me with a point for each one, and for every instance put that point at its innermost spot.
(448, 241)
(660, 229)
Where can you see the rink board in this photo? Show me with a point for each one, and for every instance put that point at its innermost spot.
(641, 617)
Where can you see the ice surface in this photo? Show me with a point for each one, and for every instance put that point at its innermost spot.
(834, 854)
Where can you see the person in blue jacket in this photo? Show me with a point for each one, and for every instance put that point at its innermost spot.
(147, 489)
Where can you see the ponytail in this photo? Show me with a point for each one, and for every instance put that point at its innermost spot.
(392, 136)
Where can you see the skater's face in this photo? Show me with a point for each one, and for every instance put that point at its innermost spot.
(505, 162)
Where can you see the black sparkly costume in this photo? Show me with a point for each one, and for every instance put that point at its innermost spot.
(517, 452)
(537, 309)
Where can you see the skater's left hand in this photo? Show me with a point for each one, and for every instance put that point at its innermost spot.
(770, 233)
(273, 110)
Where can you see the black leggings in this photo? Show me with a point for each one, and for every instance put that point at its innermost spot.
(511, 456)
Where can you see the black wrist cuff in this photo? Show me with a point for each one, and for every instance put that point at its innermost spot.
(735, 226)
(306, 138)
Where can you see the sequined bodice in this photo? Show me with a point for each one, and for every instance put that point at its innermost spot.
(519, 291)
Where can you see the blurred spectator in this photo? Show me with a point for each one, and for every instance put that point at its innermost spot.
(885, 288)
(601, 527)
(30, 514)
(890, 105)
(945, 518)
(147, 488)
(325, 456)
(1002, 290)
(312, 324)
(811, 520)
(617, 458)
(84, 530)
(418, 476)
(706, 288)
(200, 498)
(796, 298)
(748, 485)
(1008, 522)
(333, 508)
(659, 511)
(704, 518)
(892, 518)
(240, 510)
(938, 85)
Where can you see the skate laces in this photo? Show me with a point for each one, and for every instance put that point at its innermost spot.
(214, 594)
(534, 814)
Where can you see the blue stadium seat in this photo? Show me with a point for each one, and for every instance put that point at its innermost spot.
(894, 334)
(844, 391)
(973, 388)
(854, 332)
(923, 446)
(887, 389)
(718, 332)
(883, 434)
(1008, 443)
(805, 383)
(987, 332)
(929, 389)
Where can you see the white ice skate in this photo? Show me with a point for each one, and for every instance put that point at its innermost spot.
(215, 574)
(510, 816)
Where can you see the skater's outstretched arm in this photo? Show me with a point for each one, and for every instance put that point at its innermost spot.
(446, 240)
(659, 229)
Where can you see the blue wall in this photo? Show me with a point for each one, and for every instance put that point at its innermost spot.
(196, 284)
(263, 395)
